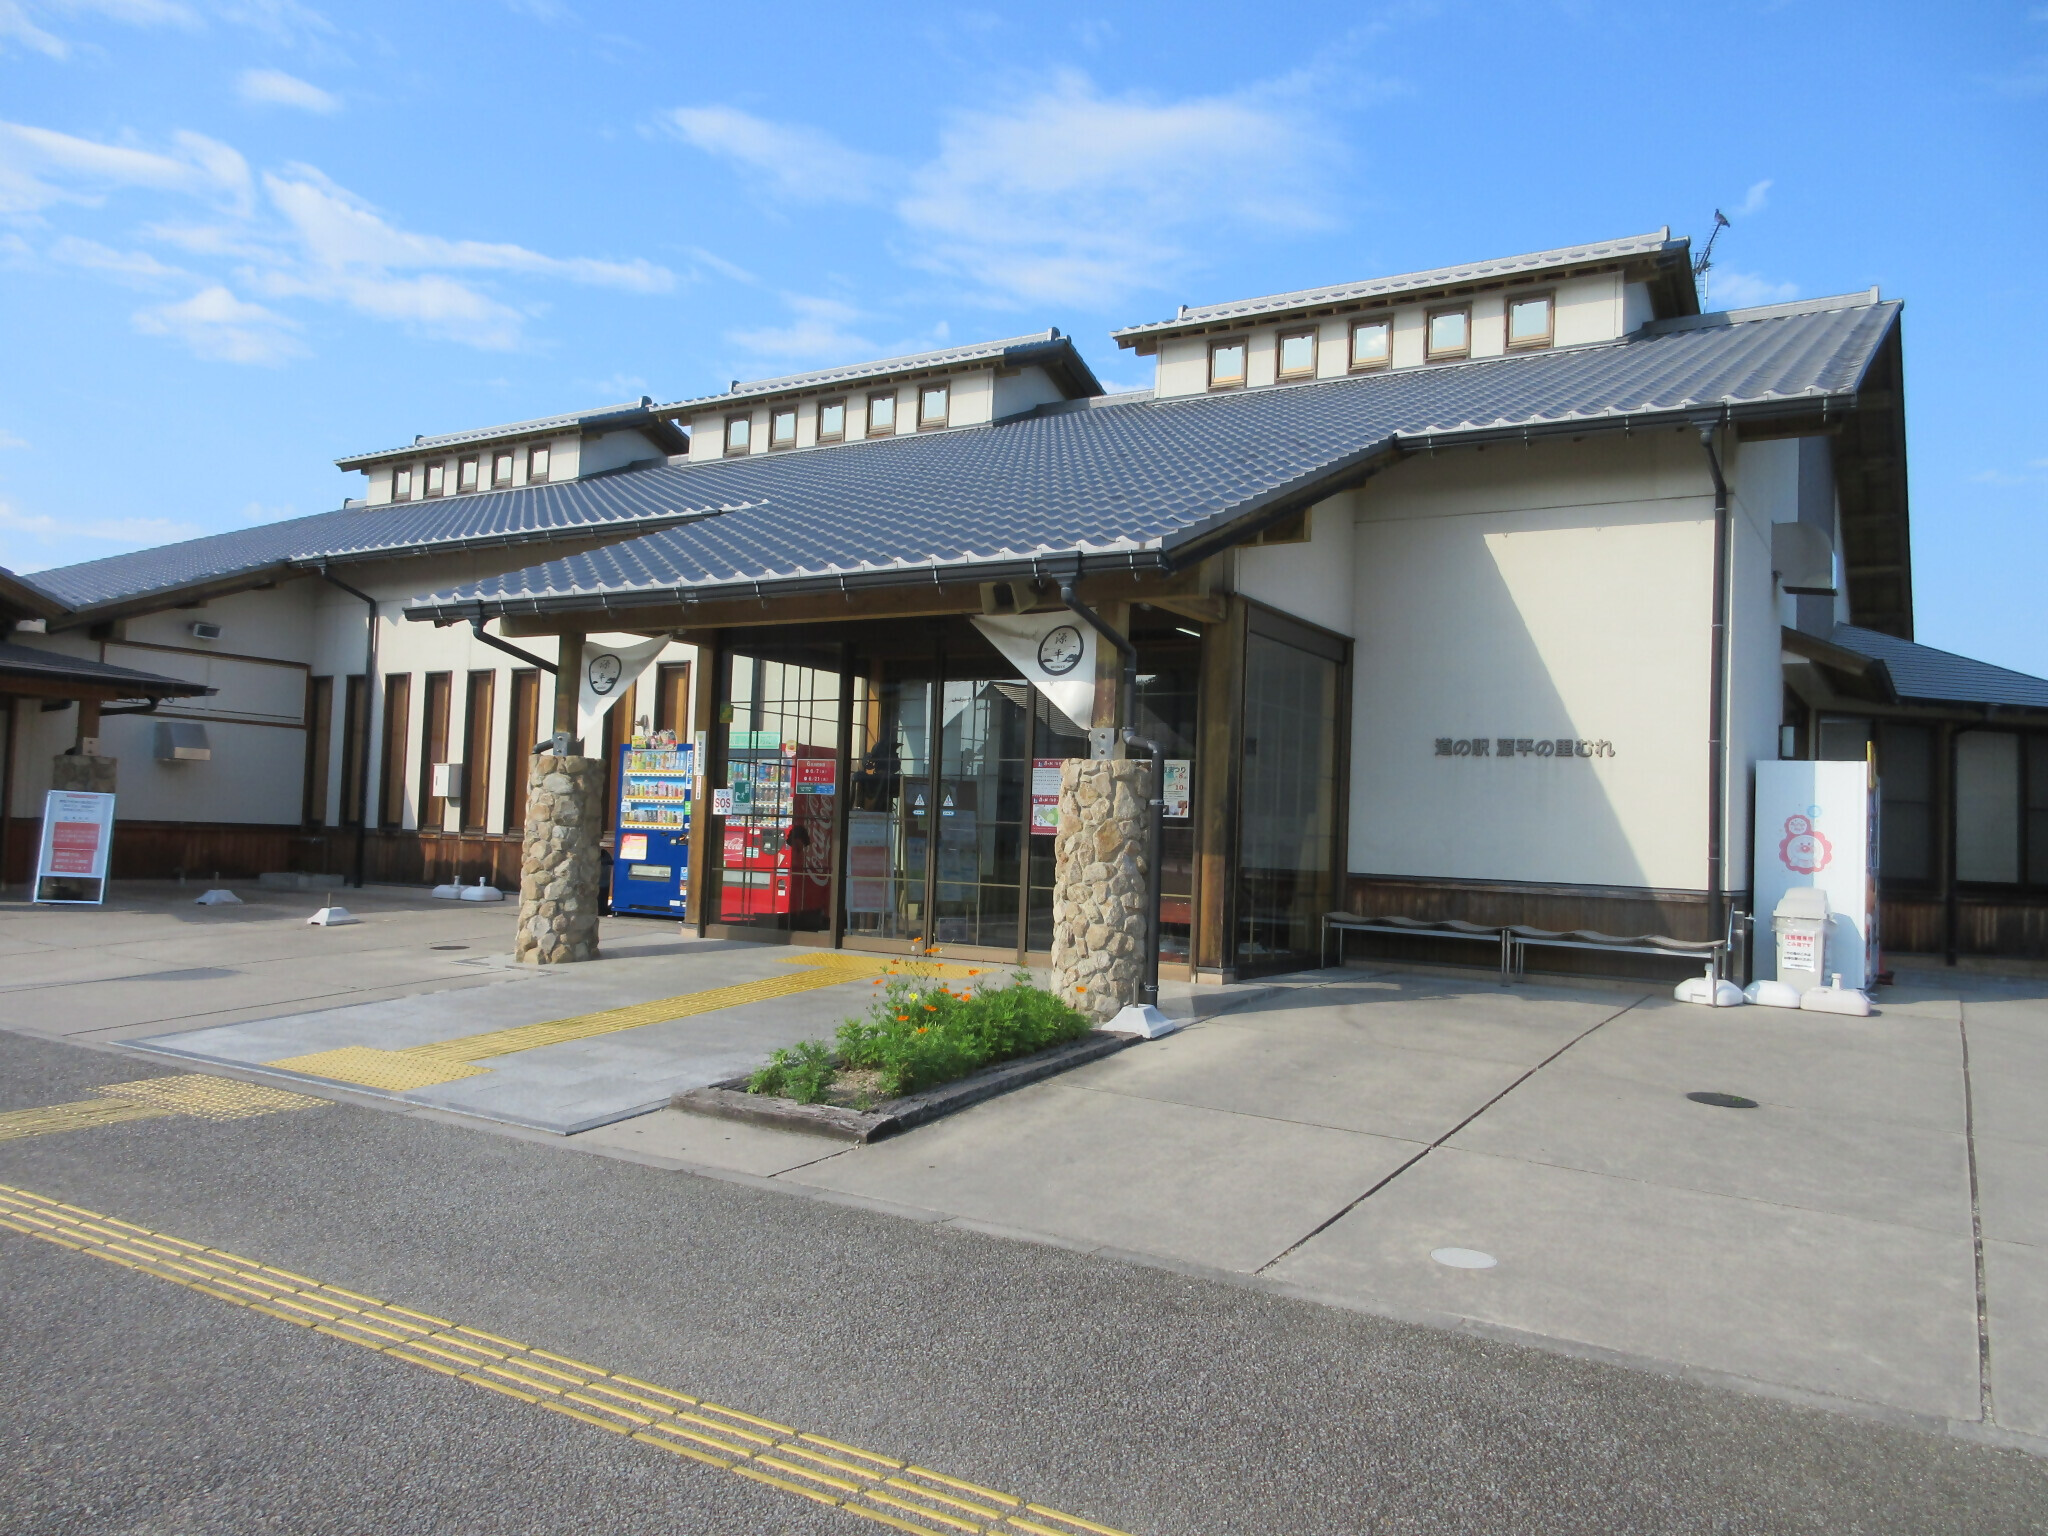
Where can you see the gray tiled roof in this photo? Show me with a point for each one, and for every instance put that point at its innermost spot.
(1922, 672)
(25, 596)
(55, 667)
(1410, 282)
(523, 515)
(1040, 346)
(1109, 480)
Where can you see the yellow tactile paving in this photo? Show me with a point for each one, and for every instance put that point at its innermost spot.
(73, 1117)
(210, 1098)
(182, 1093)
(447, 1061)
(884, 1489)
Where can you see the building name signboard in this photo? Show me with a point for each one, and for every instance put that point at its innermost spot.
(1521, 746)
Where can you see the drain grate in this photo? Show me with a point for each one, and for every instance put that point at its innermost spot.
(447, 946)
(1722, 1100)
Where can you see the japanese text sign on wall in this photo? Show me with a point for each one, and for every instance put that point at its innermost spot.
(1521, 746)
(1045, 796)
(815, 775)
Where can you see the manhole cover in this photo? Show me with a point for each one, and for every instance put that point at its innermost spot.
(447, 946)
(1723, 1100)
(1463, 1258)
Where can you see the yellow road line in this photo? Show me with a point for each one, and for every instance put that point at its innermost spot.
(882, 1489)
(448, 1061)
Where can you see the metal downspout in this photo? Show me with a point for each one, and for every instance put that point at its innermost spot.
(363, 736)
(1717, 709)
(1155, 839)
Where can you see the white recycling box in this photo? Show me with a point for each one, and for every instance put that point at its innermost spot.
(1800, 924)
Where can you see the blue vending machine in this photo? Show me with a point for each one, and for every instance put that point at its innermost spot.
(651, 860)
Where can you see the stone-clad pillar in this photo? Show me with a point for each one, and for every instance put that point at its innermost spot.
(559, 868)
(82, 775)
(1098, 898)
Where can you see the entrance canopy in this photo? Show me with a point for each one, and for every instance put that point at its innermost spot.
(28, 673)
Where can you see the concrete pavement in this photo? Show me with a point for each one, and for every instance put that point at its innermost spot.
(1837, 1244)
(1147, 1401)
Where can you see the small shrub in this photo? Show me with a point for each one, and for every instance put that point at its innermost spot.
(921, 1032)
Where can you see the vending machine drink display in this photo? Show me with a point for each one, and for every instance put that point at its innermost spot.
(776, 852)
(651, 867)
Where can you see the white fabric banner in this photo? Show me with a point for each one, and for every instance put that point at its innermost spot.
(608, 671)
(1056, 653)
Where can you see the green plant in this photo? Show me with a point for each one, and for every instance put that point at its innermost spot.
(804, 1072)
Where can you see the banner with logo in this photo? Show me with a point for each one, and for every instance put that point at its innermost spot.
(1055, 652)
(1816, 824)
(608, 671)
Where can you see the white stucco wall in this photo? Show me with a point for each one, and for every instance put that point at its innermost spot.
(1311, 581)
(1556, 591)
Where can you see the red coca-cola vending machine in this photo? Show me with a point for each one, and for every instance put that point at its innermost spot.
(777, 844)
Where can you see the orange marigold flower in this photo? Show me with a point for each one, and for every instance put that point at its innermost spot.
(902, 1018)
(931, 1007)
(922, 1028)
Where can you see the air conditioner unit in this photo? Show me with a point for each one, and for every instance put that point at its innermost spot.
(182, 741)
(201, 630)
(447, 781)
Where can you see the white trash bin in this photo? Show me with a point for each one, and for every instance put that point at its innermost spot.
(1800, 924)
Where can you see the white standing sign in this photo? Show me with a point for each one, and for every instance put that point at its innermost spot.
(1816, 825)
(78, 835)
(1056, 651)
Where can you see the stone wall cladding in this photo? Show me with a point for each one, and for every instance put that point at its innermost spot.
(1098, 899)
(559, 867)
(83, 775)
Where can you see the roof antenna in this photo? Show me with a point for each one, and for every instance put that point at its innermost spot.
(1704, 262)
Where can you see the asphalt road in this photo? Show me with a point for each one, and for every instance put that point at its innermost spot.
(1138, 1398)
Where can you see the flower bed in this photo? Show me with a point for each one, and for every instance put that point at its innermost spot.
(919, 1033)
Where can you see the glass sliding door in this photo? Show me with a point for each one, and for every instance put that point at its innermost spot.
(1288, 807)
(777, 848)
(889, 809)
(982, 801)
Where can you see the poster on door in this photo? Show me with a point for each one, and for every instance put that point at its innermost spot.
(71, 859)
(868, 836)
(1177, 788)
(1045, 795)
(1816, 825)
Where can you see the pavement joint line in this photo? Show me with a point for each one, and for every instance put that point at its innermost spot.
(1330, 1221)
(447, 1061)
(885, 1490)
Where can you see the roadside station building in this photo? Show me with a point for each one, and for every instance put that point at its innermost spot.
(1470, 593)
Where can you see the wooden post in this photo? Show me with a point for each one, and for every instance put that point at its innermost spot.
(568, 682)
(88, 726)
(1217, 768)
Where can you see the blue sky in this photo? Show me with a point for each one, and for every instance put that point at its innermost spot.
(239, 238)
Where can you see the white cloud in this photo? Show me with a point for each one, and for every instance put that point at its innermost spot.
(1740, 290)
(135, 532)
(794, 161)
(817, 334)
(308, 239)
(723, 267)
(216, 325)
(9, 440)
(136, 268)
(17, 19)
(1073, 196)
(273, 87)
(40, 167)
(1754, 201)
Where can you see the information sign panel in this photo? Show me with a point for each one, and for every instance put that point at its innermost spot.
(71, 860)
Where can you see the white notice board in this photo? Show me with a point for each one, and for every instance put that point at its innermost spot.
(71, 859)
